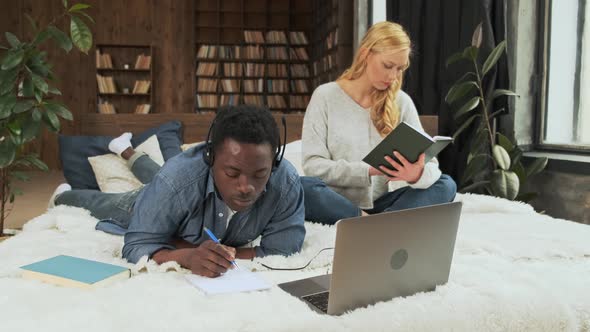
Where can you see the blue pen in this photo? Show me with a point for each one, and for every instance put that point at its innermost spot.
(216, 240)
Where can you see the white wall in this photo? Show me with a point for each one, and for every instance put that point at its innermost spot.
(379, 11)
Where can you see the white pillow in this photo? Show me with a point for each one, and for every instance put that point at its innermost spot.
(112, 173)
(293, 154)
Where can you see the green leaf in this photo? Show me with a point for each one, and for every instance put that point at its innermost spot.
(504, 184)
(470, 105)
(54, 91)
(515, 155)
(477, 36)
(502, 92)
(536, 166)
(52, 120)
(465, 125)
(30, 130)
(36, 115)
(475, 166)
(78, 7)
(41, 37)
(526, 197)
(12, 59)
(86, 15)
(501, 110)
(458, 91)
(65, 2)
(37, 162)
(81, 35)
(32, 22)
(518, 169)
(28, 89)
(470, 53)
(59, 109)
(501, 157)
(7, 103)
(7, 153)
(473, 186)
(12, 39)
(8, 80)
(60, 37)
(493, 57)
(505, 142)
(40, 83)
(20, 176)
(15, 128)
(23, 106)
(454, 58)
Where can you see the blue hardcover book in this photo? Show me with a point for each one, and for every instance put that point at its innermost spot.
(75, 272)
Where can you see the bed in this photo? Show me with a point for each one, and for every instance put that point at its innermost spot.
(513, 270)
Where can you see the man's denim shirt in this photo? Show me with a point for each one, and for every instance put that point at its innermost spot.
(181, 199)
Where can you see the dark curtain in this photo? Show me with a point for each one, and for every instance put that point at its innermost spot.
(438, 29)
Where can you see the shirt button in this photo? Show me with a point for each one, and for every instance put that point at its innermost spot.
(220, 214)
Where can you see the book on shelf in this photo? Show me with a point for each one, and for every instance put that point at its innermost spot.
(299, 86)
(207, 52)
(229, 100)
(298, 53)
(299, 102)
(207, 101)
(298, 70)
(230, 52)
(254, 100)
(277, 70)
(143, 61)
(230, 85)
(207, 69)
(103, 60)
(253, 52)
(106, 84)
(277, 86)
(276, 101)
(276, 53)
(409, 142)
(254, 69)
(77, 272)
(254, 86)
(253, 37)
(276, 37)
(232, 69)
(298, 38)
(106, 108)
(206, 85)
(142, 109)
(141, 86)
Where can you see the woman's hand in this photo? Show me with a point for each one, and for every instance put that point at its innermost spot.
(404, 170)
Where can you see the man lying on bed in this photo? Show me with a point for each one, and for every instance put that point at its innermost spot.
(238, 188)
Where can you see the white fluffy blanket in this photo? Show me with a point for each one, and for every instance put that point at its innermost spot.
(513, 270)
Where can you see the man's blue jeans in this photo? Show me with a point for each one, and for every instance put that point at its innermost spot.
(112, 206)
(324, 205)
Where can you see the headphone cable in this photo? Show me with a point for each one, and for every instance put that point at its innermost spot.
(295, 268)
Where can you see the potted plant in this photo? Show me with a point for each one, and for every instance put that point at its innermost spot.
(494, 163)
(26, 82)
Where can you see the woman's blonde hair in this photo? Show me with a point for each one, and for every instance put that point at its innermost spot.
(381, 37)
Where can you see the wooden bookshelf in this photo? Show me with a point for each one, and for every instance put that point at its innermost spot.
(266, 79)
(124, 79)
(332, 40)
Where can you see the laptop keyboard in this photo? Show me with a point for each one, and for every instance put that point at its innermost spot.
(318, 300)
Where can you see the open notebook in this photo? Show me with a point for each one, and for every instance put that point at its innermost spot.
(233, 281)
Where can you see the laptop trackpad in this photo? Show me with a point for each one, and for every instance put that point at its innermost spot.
(307, 286)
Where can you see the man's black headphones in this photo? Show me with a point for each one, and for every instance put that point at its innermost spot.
(208, 155)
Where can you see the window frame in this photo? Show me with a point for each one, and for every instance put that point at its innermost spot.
(544, 31)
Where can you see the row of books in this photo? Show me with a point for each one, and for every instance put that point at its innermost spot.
(322, 65)
(251, 69)
(104, 61)
(141, 86)
(106, 84)
(104, 107)
(272, 101)
(275, 37)
(252, 85)
(251, 52)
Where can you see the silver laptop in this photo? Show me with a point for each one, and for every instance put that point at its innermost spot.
(382, 256)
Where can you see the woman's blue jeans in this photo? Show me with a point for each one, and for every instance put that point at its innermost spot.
(324, 205)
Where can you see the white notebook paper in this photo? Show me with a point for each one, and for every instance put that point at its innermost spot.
(232, 281)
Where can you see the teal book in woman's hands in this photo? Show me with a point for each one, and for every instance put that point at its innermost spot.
(408, 141)
(75, 272)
